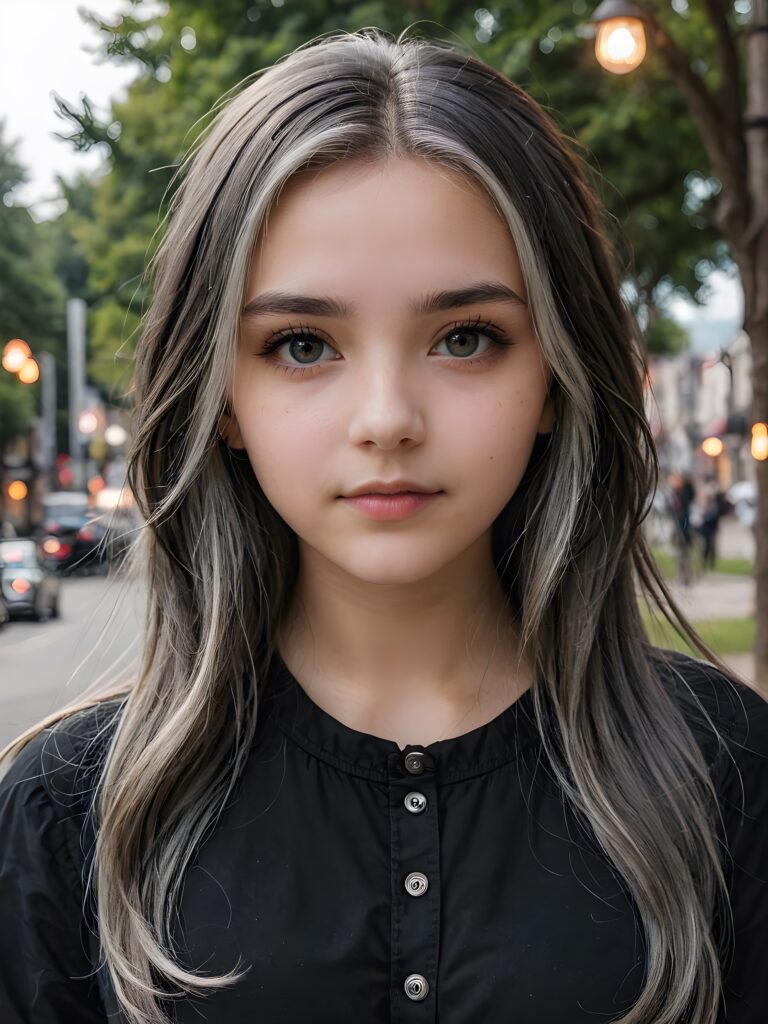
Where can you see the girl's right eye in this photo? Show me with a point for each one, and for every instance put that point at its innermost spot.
(303, 338)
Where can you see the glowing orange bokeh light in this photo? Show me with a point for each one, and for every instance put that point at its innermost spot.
(17, 490)
(15, 354)
(29, 372)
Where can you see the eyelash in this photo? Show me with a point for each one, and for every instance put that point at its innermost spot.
(275, 341)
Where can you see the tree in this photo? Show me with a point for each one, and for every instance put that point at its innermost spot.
(664, 335)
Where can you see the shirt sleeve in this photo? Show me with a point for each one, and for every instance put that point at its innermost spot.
(744, 806)
(46, 975)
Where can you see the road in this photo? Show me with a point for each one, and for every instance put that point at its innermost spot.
(44, 665)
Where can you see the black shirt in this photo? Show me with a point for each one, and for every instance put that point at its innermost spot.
(448, 883)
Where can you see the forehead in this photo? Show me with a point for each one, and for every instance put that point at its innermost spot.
(362, 226)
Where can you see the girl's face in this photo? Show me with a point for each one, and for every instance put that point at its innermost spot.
(384, 389)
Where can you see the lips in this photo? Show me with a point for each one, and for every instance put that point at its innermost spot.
(382, 487)
(392, 506)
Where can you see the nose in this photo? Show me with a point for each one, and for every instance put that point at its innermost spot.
(387, 407)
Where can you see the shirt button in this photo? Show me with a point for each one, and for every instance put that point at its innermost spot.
(415, 802)
(417, 883)
(414, 762)
(416, 987)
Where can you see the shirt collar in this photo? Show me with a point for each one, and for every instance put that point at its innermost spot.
(460, 757)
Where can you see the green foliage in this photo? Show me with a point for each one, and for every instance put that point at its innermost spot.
(30, 296)
(69, 259)
(32, 300)
(17, 407)
(665, 336)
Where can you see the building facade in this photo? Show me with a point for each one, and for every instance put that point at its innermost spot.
(692, 397)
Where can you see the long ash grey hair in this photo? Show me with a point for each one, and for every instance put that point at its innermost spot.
(220, 563)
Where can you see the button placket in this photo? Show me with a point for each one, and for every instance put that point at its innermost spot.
(415, 885)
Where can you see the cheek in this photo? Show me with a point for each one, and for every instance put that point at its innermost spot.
(286, 444)
(497, 428)
(489, 444)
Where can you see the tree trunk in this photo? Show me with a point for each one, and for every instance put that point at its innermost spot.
(755, 283)
(761, 525)
(754, 276)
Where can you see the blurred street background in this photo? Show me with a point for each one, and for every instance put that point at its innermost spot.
(101, 100)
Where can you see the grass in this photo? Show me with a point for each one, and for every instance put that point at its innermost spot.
(725, 636)
(667, 562)
(738, 566)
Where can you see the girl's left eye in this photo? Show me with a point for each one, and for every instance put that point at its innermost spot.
(457, 335)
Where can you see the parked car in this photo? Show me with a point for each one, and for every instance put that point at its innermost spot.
(102, 541)
(5, 615)
(71, 536)
(28, 587)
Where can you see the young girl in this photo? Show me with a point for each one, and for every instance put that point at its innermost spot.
(400, 749)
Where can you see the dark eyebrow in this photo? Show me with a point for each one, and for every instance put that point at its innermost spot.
(433, 302)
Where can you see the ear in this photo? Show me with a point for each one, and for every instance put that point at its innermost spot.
(229, 431)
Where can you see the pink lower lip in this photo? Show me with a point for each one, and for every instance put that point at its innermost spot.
(391, 506)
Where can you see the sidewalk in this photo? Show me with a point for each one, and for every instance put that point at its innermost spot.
(716, 595)
(735, 540)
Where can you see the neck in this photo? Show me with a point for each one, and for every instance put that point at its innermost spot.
(415, 662)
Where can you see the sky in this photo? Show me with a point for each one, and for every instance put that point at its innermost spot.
(44, 49)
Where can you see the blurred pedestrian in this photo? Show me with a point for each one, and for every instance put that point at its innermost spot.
(681, 495)
(714, 505)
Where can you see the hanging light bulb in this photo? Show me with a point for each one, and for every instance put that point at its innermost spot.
(620, 44)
